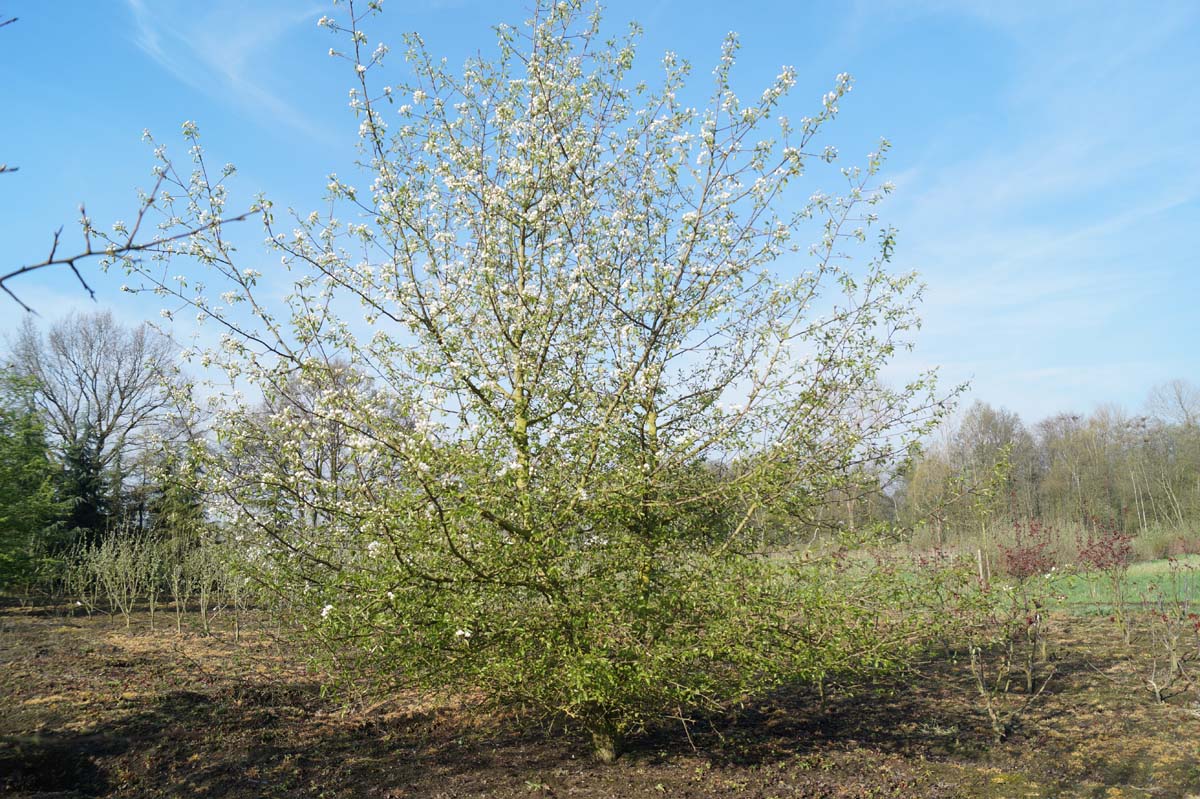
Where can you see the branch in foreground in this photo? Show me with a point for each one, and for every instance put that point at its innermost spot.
(129, 247)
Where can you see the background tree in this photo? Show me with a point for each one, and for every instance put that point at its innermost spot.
(104, 391)
(291, 463)
(171, 485)
(1173, 434)
(83, 487)
(983, 468)
(28, 504)
(932, 494)
(987, 436)
(1175, 402)
(96, 376)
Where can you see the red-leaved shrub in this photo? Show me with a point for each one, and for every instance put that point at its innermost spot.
(1031, 552)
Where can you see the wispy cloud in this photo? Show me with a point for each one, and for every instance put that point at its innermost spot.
(223, 48)
(1060, 237)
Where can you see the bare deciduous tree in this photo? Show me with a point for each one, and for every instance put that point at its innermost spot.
(1176, 402)
(95, 376)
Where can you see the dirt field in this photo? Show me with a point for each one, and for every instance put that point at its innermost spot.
(89, 709)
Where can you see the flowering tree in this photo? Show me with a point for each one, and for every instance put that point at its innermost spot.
(580, 386)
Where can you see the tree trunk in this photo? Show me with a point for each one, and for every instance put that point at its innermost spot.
(606, 742)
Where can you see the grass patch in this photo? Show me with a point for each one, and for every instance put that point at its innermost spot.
(1092, 594)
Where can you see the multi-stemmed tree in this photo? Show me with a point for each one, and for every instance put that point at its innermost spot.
(595, 356)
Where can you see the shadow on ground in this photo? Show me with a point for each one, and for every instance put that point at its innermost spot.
(86, 710)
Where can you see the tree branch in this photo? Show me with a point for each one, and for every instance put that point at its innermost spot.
(130, 247)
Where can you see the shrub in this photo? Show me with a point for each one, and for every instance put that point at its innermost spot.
(1174, 625)
(1031, 553)
(544, 474)
(1106, 551)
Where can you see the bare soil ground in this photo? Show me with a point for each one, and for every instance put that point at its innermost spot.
(89, 709)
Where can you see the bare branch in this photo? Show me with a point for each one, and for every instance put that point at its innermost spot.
(129, 248)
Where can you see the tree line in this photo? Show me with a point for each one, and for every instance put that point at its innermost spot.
(95, 442)
(1137, 471)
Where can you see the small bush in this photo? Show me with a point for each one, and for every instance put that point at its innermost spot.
(1031, 552)
(1106, 551)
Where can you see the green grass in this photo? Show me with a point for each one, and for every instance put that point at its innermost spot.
(1093, 594)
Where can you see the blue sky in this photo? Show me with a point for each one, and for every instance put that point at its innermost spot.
(1045, 154)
